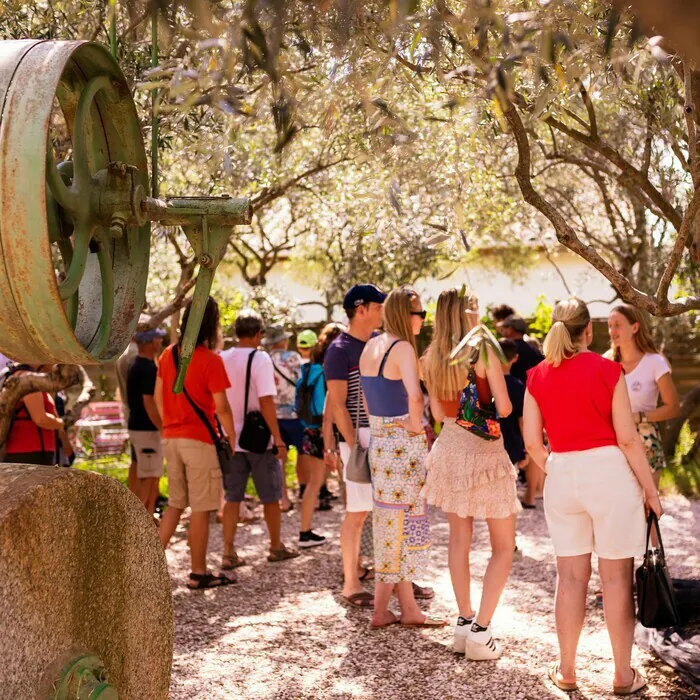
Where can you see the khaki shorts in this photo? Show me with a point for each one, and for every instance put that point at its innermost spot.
(148, 451)
(594, 503)
(194, 474)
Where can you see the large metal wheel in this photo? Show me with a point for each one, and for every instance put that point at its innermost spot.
(74, 239)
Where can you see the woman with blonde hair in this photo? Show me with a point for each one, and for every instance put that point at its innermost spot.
(398, 448)
(648, 378)
(598, 479)
(469, 472)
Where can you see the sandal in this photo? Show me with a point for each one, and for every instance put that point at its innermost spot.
(638, 682)
(427, 622)
(360, 600)
(423, 592)
(229, 562)
(283, 554)
(368, 574)
(553, 673)
(208, 581)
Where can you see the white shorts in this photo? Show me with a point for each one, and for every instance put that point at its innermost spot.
(594, 503)
(358, 496)
(148, 449)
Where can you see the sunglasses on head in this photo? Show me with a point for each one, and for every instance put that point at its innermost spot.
(422, 314)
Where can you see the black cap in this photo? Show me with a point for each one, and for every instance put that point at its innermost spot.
(517, 323)
(363, 294)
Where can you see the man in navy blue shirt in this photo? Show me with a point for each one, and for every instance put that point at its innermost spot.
(514, 328)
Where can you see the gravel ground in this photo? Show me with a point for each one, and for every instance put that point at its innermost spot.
(282, 631)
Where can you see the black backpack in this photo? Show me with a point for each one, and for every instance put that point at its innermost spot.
(305, 397)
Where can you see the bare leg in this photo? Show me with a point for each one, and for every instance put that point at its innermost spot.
(133, 479)
(168, 524)
(458, 561)
(382, 596)
(573, 574)
(533, 482)
(618, 603)
(273, 518)
(502, 536)
(316, 473)
(303, 469)
(285, 502)
(199, 539)
(410, 612)
(350, 534)
(146, 493)
(230, 527)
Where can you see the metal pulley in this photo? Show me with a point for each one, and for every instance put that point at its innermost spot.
(75, 236)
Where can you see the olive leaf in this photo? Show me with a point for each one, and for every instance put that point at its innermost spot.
(474, 346)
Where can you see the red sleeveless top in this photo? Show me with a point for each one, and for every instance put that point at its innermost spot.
(26, 436)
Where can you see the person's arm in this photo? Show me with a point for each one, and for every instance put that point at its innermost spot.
(158, 397)
(405, 358)
(497, 383)
(631, 444)
(149, 405)
(533, 434)
(37, 412)
(436, 408)
(269, 411)
(670, 404)
(225, 415)
(337, 397)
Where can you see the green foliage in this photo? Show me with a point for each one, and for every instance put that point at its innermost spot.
(682, 475)
(541, 320)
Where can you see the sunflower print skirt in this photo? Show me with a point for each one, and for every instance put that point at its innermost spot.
(399, 519)
(649, 432)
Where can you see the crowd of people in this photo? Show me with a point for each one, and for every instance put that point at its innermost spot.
(408, 430)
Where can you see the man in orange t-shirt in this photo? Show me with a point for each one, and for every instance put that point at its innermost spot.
(194, 473)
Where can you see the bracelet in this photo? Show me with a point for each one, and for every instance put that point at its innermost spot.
(329, 452)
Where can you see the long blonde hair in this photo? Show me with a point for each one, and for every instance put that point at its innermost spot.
(642, 337)
(452, 323)
(569, 320)
(397, 314)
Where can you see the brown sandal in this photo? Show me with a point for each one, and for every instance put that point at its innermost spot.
(283, 554)
(360, 600)
(553, 673)
(229, 562)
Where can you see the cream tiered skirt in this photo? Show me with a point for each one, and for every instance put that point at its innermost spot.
(470, 476)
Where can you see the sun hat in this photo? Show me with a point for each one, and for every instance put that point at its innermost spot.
(306, 339)
(274, 333)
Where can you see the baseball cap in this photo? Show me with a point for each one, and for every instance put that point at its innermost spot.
(517, 323)
(307, 339)
(363, 294)
(149, 335)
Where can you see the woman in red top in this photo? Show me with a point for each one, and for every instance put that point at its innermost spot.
(32, 436)
(598, 480)
(194, 473)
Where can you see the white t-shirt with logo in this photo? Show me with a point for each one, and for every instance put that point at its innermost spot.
(642, 382)
(262, 383)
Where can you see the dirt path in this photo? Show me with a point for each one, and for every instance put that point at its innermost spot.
(282, 631)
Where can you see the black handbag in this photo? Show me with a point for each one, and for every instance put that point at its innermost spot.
(656, 602)
(222, 445)
(255, 434)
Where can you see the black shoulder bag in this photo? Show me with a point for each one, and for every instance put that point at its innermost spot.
(223, 448)
(255, 434)
(656, 601)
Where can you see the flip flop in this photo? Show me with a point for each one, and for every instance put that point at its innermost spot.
(393, 621)
(360, 600)
(638, 682)
(553, 673)
(428, 622)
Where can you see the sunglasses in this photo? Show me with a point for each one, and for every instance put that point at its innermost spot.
(423, 314)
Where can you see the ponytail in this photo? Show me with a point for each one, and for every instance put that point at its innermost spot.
(570, 319)
(558, 345)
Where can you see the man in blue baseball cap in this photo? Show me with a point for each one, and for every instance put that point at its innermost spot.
(144, 420)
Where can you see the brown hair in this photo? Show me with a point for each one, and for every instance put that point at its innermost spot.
(642, 337)
(452, 323)
(208, 331)
(569, 320)
(397, 314)
(329, 333)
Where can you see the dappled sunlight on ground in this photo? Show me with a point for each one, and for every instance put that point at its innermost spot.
(283, 631)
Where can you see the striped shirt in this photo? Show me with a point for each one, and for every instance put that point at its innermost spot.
(342, 363)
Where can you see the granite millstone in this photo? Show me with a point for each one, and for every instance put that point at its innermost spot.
(81, 570)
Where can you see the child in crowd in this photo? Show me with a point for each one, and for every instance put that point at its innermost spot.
(512, 425)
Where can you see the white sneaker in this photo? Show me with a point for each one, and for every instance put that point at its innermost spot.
(461, 632)
(480, 645)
